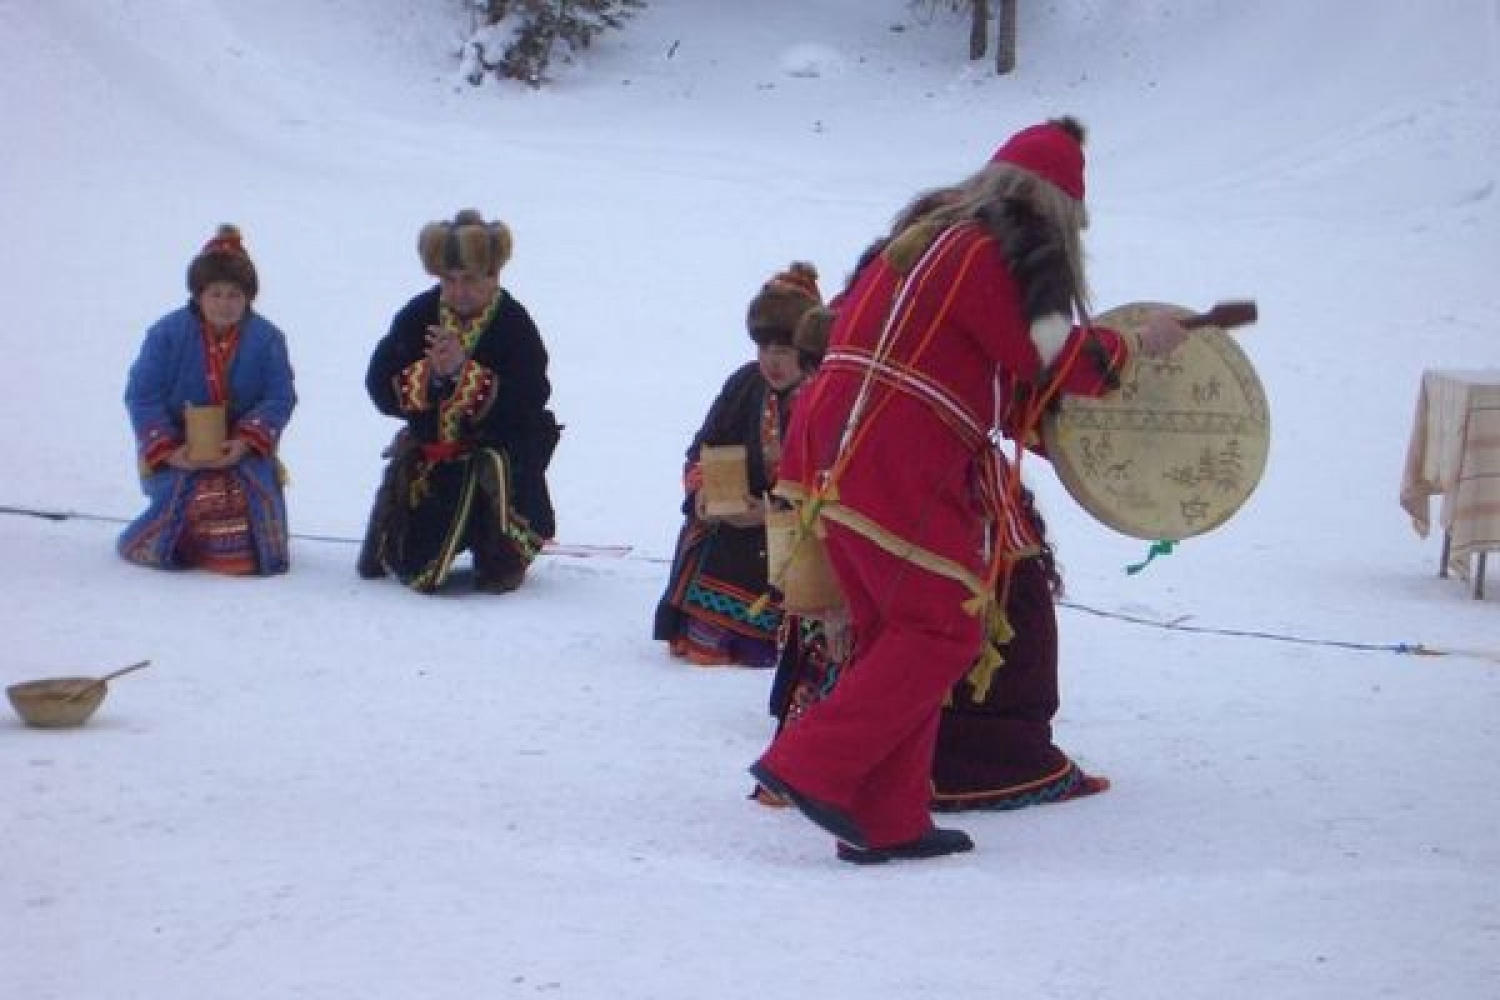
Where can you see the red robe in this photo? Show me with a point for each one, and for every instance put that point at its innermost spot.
(922, 511)
(915, 476)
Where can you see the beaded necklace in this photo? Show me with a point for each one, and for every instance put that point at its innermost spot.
(773, 418)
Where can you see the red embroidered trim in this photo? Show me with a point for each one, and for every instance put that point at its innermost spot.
(257, 435)
(159, 448)
(917, 384)
(218, 354)
(772, 420)
(445, 451)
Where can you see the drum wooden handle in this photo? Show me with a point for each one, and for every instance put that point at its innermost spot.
(1225, 315)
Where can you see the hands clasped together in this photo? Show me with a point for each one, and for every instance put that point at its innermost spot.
(232, 452)
(445, 353)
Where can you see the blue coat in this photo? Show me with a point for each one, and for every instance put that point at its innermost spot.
(171, 373)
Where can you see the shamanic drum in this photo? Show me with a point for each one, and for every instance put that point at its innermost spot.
(1178, 448)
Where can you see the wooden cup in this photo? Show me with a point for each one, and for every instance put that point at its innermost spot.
(205, 429)
(726, 479)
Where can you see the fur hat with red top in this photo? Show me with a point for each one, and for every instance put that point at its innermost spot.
(1052, 150)
(223, 258)
(773, 313)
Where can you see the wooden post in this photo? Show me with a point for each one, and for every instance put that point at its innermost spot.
(1005, 47)
(979, 30)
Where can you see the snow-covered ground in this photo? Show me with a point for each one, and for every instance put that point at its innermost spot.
(326, 788)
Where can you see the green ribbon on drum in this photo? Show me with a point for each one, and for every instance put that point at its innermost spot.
(1161, 548)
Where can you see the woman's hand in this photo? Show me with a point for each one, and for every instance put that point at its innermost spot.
(178, 459)
(234, 452)
(753, 517)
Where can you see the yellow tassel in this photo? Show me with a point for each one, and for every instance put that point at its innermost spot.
(983, 672)
(998, 633)
(977, 604)
(759, 605)
(1000, 629)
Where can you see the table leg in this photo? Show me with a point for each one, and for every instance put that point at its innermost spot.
(1443, 559)
(1479, 577)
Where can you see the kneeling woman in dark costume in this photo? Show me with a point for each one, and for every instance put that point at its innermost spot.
(711, 614)
(464, 366)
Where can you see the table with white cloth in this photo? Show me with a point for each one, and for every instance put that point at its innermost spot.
(1454, 452)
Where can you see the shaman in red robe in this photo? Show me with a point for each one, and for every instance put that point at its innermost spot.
(941, 346)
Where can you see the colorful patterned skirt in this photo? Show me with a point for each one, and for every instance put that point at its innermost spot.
(224, 520)
(708, 614)
(216, 533)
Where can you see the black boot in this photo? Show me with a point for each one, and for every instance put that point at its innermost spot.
(500, 583)
(499, 566)
(371, 563)
(831, 819)
(935, 843)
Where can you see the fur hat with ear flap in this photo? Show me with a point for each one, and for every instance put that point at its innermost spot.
(773, 313)
(466, 243)
(811, 336)
(223, 258)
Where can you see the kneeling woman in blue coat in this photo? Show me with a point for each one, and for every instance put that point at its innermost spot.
(223, 511)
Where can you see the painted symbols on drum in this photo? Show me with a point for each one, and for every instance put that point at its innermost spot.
(1178, 448)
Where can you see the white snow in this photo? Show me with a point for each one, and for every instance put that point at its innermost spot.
(327, 788)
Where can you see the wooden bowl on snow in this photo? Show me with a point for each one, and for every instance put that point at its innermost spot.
(58, 702)
(63, 702)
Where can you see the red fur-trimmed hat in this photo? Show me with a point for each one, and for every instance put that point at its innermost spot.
(223, 258)
(1052, 150)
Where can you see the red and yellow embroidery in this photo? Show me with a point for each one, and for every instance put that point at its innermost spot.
(412, 386)
(472, 395)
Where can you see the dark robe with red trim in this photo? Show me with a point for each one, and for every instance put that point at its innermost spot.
(719, 570)
(468, 470)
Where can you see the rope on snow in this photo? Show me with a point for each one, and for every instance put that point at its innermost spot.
(1178, 625)
(567, 549)
(1173, 625)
